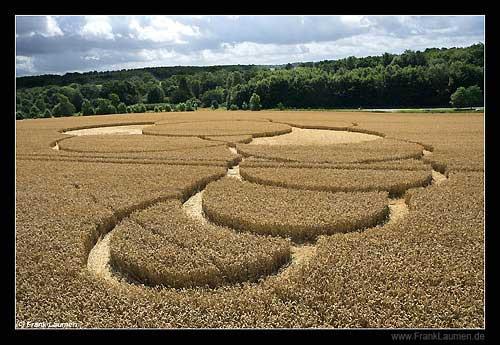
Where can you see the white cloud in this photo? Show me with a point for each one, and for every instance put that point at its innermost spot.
(24, 64)
(52, 28)
(243, 49)
(91, 57)
(377, 44)
(355, 21)
(97, 27)
(163, 29)
(29, 26)
(156, 54)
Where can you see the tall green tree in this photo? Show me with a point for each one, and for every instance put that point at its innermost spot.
(40, 104)
(89, 91)
(87, 108)
(35, 112)
(467, 97)
(74, 96)
(210, 96)
(114, 98)
(63, 108)
(156, 95)
(255, 102)
(121, 108)
(104, 106)
(475, 96)
(182, 93)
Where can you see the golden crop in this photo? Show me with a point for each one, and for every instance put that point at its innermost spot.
(395, 182)
(183, 152)
(232, 139)
(145, 160)
(219, 128)
(364, 152)
(203, 116)
(162, 246)
(301, 215)
(425, 270)
(402, 164)
(131, 143)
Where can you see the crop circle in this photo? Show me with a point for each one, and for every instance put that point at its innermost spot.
(219, 128)
(130, 143)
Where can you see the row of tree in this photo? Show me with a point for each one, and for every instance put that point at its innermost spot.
(411, 79)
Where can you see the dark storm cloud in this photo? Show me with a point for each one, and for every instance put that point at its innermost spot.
(27, 25)
(424, 25)
(280, 29)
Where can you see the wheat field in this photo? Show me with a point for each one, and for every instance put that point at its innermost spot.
(196, 224)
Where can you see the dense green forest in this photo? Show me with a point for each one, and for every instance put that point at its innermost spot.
(431, 78)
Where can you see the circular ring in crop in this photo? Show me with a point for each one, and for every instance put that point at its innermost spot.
(396, 182)
(162, 246)
(299, 214)
(362, 152)
(219, 128)
(131, 143)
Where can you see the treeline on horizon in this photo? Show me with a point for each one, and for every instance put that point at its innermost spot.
(431, 78)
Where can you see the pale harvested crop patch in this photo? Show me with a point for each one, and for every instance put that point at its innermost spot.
(314, 137)
(126, 129)
(298, 214)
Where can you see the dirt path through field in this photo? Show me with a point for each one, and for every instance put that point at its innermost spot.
(98, 261)
(398, 209)
(193, 206)
(301, 254)
(194, 209)
(437, 177)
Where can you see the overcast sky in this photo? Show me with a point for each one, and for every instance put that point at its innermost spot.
(60, 44)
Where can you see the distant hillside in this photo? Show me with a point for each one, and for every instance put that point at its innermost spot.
(100, 77)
